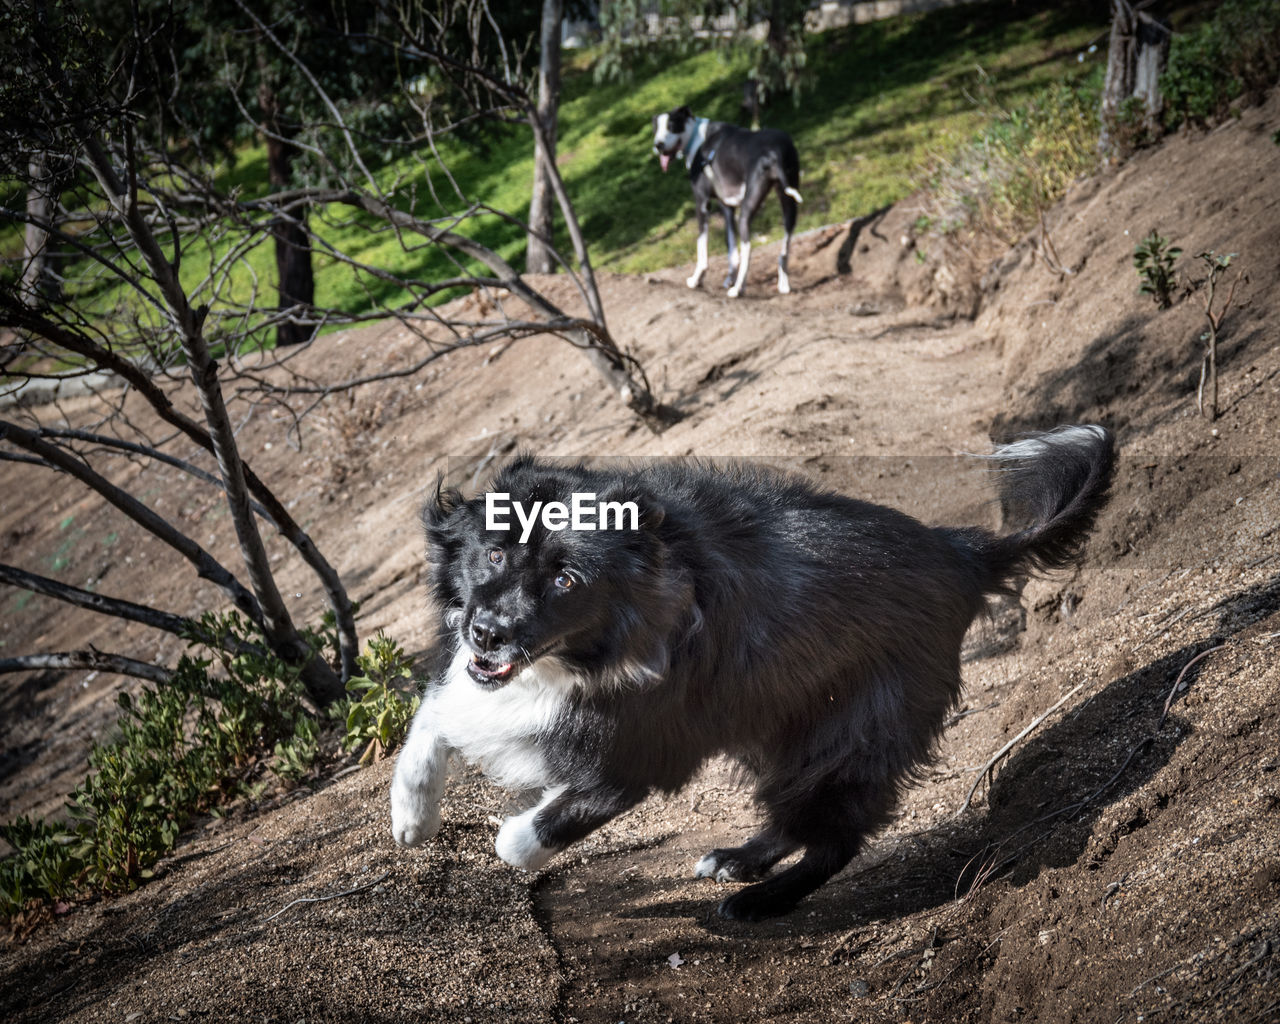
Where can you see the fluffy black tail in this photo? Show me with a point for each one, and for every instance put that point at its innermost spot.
(1053, 486)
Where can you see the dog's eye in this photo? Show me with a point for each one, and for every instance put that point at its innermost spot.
(496, 556)
(564, 581)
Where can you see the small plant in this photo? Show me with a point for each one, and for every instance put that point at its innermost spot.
(1216, 266)
(183, 748)
(44, 863)
(1154, 258)
(377, 716)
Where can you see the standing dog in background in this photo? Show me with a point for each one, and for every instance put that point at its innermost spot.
(737, 168)
(813, 638)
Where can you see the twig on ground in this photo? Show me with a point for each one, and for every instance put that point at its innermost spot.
(917, 992)
(843, 940)
(967, 712)
(1000, 754)
(332, 896)
(1178, 682)
(980, 877)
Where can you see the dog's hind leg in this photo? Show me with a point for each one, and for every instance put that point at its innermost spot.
(731, 238)
(746, 863)
(789, 209)
(828, 806)
(831, 824)
(780, 894)
(744, 256)
(700, 268)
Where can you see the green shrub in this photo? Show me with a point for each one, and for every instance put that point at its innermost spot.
(1018, 164)
(181, 749)
(1153, 258)
(377, 715)
(44, 863)
(1234, 52)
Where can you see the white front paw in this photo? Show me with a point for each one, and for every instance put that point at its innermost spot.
(415, 817)
(694, 281)
(734, 292)
(518, 844)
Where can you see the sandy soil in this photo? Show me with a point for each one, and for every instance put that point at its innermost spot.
(1121, 863)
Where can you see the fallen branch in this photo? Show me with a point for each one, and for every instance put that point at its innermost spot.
(332, 896)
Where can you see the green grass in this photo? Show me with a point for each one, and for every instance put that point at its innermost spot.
(886, 97)
(885, 100)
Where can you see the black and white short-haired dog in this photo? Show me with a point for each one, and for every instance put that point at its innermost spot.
(737, 168)
(812, 637)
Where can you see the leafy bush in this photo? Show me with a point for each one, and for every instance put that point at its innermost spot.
(1154, 258)
(1234, 52)
(183, 748)
(1018, 164)
(377, 716)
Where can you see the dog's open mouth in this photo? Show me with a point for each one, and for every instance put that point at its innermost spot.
(489, 672)
(664, 159)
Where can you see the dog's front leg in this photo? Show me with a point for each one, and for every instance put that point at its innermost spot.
(700, 267)
(561, 817)
(418, 783)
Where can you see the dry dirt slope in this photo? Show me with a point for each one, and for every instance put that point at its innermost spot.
(1123, 865)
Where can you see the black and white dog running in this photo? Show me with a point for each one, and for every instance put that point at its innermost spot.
(737, 168)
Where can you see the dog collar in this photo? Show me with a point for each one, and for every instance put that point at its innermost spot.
(699, 136)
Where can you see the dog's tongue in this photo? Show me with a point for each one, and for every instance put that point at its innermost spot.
(664, 159)
(492, 669)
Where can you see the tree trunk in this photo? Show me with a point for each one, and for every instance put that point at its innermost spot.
(1136, 56)
(539, 258)
(281, 634)
(295, 283)
(39, 286)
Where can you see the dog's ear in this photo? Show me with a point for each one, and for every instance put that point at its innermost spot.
(684, 112)
(440, 506)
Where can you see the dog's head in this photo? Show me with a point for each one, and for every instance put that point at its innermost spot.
(671, 132)
(526, 571)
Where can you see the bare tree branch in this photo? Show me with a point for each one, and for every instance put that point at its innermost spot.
(76, 341)
(114, 606)
(149, 452)
(207, 567)
(91, 659)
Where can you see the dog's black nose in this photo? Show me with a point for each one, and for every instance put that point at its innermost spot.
(487, 634)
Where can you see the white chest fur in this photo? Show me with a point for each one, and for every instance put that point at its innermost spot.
(497, 729)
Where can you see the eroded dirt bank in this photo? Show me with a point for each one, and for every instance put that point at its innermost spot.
(1124, 863)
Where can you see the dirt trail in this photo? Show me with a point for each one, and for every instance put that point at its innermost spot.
(1124, 861)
